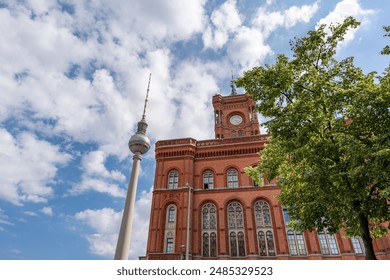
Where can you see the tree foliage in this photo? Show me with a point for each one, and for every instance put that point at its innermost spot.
(330, 136)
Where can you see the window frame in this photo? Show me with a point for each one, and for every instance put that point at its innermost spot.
(328, 243)
(264, 228)
(232, 179)
(173, 179)
(236, 229)
(208, 179)
(209, 231)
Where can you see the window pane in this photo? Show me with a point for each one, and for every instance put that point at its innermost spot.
(239, 217)
(213, 245)
(262, 246)
(173, 178)
(171, 214)
(169, 245)
(267, 215)
(291, 243)
(231, 217)
(206, 251)
(357, 244)
(232, 178)
(208, 180)
(205, 218)
(259, 216)
(270, 244)
(333, 245)
(233, 244)
(323, 243)
(213, 219)
(300, 243)
(241, 244)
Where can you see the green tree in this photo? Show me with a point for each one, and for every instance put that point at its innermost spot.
(330, 138)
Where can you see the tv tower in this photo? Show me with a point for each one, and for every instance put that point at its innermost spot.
(139, 144)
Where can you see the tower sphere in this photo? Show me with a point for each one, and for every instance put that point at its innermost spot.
(139, 143)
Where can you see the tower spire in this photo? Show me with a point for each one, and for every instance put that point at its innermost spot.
(146, 99)
(233, 86)
(142, 125)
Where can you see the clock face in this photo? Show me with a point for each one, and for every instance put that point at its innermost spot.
(235, 119)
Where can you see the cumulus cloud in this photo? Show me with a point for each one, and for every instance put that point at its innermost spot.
(344, 9)
(97, 177)
(248, 48)
(268, 21)
(246, 45)
(224, 21)
(29, 167)
(106, 222)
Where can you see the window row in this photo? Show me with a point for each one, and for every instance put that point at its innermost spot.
(208, 179)
(264, 232)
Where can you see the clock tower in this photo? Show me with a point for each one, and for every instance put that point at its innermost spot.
(235, 115)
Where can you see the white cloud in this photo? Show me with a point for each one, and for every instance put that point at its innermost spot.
(248, 45)
(106, 222)
(248, 48)
(157, 20)
(268, 21)
(96, 177)
(30, 213)
(47, 211)
(224, 21)
(29, 166)
(344, 9)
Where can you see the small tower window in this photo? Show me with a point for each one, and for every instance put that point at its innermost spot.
(173, 179)
(171, 214)
(208, 180)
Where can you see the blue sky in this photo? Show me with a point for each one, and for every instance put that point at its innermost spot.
(73, 77)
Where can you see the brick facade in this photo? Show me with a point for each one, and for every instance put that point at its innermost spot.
(230, 217)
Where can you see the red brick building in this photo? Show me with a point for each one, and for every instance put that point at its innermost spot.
(229, 216)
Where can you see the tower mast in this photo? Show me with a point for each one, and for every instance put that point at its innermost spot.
(138, 145)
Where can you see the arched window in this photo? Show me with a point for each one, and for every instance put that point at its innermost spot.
(265, 236)
(236, 230)
(209, 230)
(208, 180)
(232, 178)
(170, 228)
(173, 178)
(295, 239)
(328, 243)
